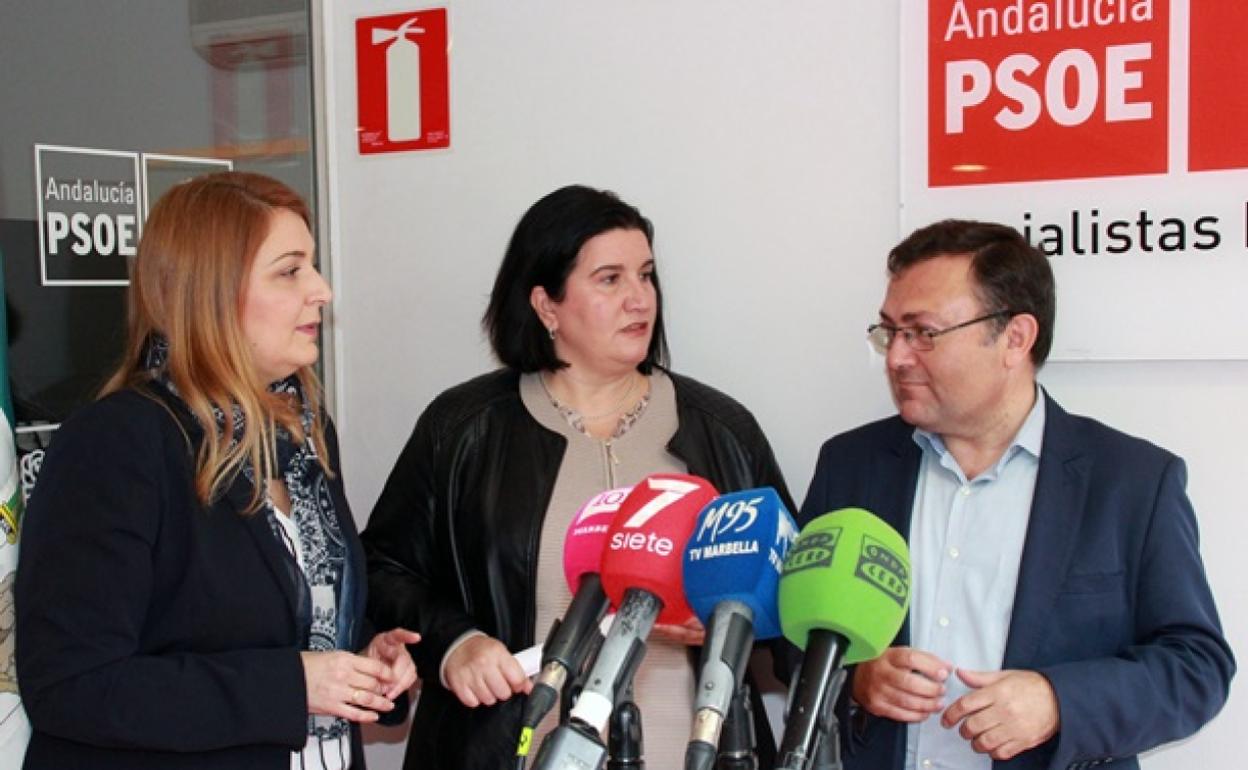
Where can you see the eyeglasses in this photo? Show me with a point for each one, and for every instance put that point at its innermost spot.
(920, 338)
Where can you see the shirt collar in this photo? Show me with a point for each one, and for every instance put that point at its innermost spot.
(1029, 439)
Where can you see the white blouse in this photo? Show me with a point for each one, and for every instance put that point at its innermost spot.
(318, 753)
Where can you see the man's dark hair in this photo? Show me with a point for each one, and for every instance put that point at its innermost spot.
(1010, 274)
(542, 252)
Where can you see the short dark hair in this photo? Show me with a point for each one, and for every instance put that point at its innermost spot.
(542, 252)
(1010, 274)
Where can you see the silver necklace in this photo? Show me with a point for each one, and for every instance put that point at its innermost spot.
(619, 406)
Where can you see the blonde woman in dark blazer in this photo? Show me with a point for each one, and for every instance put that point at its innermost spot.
(191, 587)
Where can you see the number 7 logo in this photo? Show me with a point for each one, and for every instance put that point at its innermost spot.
(670, 490)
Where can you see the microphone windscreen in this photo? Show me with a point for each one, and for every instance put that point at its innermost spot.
(587, 535)
(736, 553)
(647, 539)
(848, 572)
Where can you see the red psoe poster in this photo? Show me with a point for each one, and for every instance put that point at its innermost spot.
(1218, 100)
(1111, 133)
(1027, 91)
(402, 67)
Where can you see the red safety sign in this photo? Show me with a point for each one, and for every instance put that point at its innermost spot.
(402, 81)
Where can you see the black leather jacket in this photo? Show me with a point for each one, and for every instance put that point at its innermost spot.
(452, 543)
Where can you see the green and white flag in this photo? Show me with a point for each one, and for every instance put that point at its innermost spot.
(14, 726)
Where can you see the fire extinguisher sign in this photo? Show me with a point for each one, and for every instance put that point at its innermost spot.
(402, 81)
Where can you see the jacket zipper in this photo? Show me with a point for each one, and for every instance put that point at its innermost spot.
(609, 460)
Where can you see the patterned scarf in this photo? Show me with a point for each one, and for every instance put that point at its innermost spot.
(326, 612)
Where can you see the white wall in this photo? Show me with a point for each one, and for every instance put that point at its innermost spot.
(762, 141)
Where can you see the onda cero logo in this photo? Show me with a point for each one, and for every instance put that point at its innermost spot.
(812, 549)
(882, 568)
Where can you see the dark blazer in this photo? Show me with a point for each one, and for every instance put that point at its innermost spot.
(152, 633)
(1112, 604)
(453, 540)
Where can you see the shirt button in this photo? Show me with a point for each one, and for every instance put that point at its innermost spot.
(944, 622)
(927, 763)
(953, 553)
(966, 491)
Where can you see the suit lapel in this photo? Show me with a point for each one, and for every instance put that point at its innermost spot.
(1052, 531)
(355, 571)
(237, 497)
(282, 566)
(891, 494)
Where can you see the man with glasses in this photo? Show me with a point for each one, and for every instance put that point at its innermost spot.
(1059, 613)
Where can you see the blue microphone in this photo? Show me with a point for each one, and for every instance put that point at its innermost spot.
(732, 567)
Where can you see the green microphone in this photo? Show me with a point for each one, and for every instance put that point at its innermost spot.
(843, 596)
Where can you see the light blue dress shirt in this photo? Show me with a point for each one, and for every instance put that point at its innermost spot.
(966, 544)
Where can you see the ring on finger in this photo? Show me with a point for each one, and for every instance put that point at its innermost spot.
(355, 696)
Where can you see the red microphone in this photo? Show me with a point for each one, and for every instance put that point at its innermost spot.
(642, 576)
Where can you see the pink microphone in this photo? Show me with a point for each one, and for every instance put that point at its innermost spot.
(587, 535)
(568, 643)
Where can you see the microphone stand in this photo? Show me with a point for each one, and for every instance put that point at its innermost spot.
(810, 699)
(625, 746)
(828, 753)
(737, 740)
(576, 679)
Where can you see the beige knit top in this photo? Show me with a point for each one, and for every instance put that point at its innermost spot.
(665, 681)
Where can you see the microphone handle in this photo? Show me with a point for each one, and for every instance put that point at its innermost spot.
(625, 744)
(737, 741)
(571, 746)
(563, 654)
(828, 754)
(621, 652)
(576, 681)
(566, 644)
(725, 655)
(721, 672)
(824, 651)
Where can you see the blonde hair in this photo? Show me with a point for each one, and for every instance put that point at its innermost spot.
(186, 284)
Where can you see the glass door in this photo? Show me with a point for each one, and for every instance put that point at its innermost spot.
(106, 105)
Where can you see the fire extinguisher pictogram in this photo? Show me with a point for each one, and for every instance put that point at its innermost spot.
(402, 81)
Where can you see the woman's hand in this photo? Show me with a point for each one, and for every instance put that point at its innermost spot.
(481, 672)
(343, 684)
(390, 648)
(691, 632)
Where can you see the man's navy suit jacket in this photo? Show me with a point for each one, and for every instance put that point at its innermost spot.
(1112, 604)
